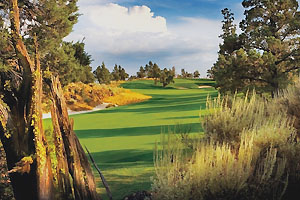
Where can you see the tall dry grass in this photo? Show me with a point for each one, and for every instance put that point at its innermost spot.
(249, 151)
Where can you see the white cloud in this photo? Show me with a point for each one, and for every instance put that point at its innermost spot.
(135, 35)
(114, 17)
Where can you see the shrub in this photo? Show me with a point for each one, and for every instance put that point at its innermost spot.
(230, 116)
(80, 96)
(249, 152)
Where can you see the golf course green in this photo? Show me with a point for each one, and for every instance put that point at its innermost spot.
(122, 139)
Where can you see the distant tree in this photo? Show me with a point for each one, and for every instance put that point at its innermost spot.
(183, 73)
(173, 71)
(189, 75)
(196, 74)
(123, 74)
(149, 70)
(141, 73)
(132, 78)
(116, 73)
(266, 54)
(166, 77)
(156, 73)
(102, 74)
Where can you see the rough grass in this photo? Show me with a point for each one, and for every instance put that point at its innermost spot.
(249, 152)
(122, 139)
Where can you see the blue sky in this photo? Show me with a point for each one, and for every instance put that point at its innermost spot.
(130, 33)
(172, 9)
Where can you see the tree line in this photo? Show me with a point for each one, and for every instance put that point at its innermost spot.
(151, 70)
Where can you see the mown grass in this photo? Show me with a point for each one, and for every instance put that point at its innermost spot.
(122, 139)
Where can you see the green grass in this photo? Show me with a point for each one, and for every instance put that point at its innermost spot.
(122, 139)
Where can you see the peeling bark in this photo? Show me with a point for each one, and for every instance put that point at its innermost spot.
(22, 135)
(24, 140)
(79, 167)
(64, 186)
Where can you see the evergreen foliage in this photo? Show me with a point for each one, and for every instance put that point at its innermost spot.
(119, 73)
(141, 73)
(102, 74)
(70, 62)
(196, 74)
(265, 55)
(166, 77)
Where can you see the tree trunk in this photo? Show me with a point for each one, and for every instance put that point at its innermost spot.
(79, 167)
(24, 140)
(64, 187)
(22, 132)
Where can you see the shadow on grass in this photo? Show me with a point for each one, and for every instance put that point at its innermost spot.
(125, 169)
(143, 85)
(126, 158)
(206, 82)
(132, 131)
(183, 117)
(171, 103)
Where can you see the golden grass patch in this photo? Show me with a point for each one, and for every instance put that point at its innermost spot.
(126, 97)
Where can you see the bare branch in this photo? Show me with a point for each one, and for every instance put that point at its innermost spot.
(101, 175)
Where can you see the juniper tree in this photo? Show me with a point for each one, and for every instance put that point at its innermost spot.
(123, 74)
(196, 74)
(102, 74)
(70, 62)
(30, 30)
(149, 69)
(166, 77)
(115, 74)
(141, 73)
(183, 73)
(266, 54)
(156, 73)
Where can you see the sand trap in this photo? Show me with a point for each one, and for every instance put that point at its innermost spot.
(71, 112)
(204, 86)
(181, 88)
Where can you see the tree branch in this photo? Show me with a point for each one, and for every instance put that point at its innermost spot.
(101, 175)
(255, 79)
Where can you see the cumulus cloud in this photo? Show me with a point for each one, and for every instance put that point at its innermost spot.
(118, 18)
(133, 36)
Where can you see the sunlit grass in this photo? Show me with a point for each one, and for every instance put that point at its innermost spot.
(122, 139)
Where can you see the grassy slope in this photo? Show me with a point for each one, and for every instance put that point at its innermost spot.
(122, 139)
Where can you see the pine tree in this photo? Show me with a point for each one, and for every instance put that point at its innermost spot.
(102, 74)
(70, 62)
(149, 69)
(265, 55)
(166, 77)
(183, 73)
(141, 73)
(174, 71)
(123, 74)
(196, 74)
(156, 73)
(116, 73)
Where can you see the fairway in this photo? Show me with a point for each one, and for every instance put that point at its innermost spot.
(122, 139)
